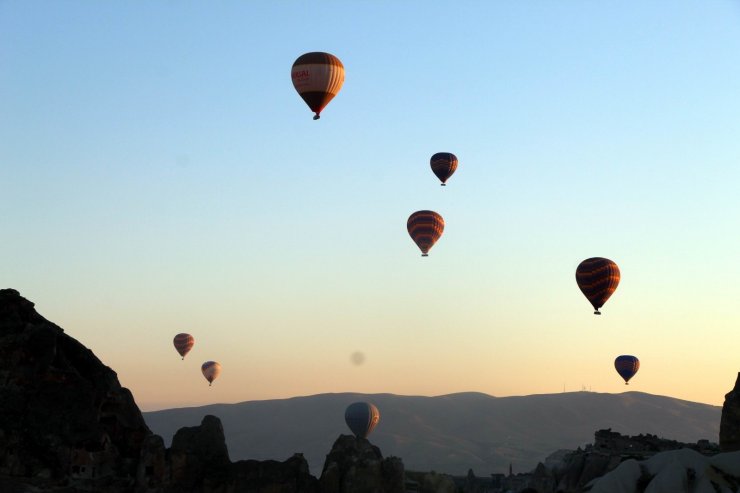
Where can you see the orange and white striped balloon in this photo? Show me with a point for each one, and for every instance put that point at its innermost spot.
(317, 77)
(183, 343)
(211, 370)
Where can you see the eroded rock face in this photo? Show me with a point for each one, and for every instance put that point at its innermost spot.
(199, 462)
(153, 469)
(199, 453)
(354, 465)
(269, 476)
(677, 471)
(580, 468)
(65, 420)
(729, 427)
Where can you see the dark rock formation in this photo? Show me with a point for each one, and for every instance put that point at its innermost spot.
(578, 469)
(153, 469)
(729, 427)
(198, 454)
(354, 465)
(67, 426)
(199, 462)
(269, 476)
(65, 420)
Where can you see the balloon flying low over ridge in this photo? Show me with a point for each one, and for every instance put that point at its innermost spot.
(597, 279)
(211, 370)
(317, 77)
(362, 418)
(626, 366)
(425, 228)
(183, 343)
(443, 165)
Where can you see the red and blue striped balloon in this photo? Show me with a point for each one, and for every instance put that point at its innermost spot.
(425, 228)
(183, 343)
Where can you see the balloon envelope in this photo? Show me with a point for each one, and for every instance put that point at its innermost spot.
(183, 343)
(627, 366)
(425, 228)
(317, 77)
(443, 165)
(362, 418)
(211, 370)
(597, 278)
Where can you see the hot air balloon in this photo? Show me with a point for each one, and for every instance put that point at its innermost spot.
(183, 343)
(425, 228)
(443, 165)
(362, 418)
(627, 366)
(211, 370)
(317, 77)
(598, 279)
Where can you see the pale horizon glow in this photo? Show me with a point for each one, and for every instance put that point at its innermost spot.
(159, 174)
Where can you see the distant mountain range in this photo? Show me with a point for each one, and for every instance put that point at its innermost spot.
(449, 433)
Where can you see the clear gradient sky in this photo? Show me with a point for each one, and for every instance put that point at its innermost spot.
(159, 174)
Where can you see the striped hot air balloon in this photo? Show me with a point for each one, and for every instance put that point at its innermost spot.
(362, 418)
(183, 343)
(597, 278)
(627, 366)
(317, 77)
(211, 370)
(425, 228)
(443, 165)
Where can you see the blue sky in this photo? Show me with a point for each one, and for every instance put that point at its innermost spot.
(159, 174)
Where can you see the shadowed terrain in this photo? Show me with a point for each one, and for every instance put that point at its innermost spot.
(450, 433)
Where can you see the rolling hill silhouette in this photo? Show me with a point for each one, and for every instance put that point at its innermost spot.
(449, 433)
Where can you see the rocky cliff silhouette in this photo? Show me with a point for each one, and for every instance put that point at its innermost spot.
(67, 426)
(729, 427)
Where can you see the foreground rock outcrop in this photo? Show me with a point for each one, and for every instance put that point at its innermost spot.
(729, 427)
(354, 465)
(64, 417)
(67, 426)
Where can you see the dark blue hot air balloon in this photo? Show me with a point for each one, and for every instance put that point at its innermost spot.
(361, 417)
(627, 366)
